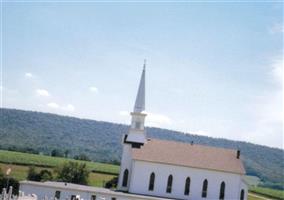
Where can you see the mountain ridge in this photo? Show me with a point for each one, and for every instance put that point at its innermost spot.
(117, 123)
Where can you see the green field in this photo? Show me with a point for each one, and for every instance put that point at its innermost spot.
(251, 197)
(267, 192)
(20, 173)
(20, 162)
(11, 157)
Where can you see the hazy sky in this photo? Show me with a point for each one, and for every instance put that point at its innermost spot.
(213, 69)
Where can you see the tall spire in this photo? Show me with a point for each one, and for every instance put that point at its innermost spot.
(140, 98)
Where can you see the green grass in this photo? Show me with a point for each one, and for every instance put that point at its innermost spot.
(250, 197)
(270, 193)
(20, 162)
(11, 157)
(20, 173)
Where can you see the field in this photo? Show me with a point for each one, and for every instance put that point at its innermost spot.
(11, 157)
(252, 197)
(20, 172)
(267, 192)
(20, 162)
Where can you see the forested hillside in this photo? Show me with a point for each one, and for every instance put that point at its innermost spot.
(101, 141)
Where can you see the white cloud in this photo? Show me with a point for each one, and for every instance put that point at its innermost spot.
(29, 75)
(158, 120)
(124, 113)
(42, 92)
(68, 107)
(93, 89)
(267, 110)
(53, 105)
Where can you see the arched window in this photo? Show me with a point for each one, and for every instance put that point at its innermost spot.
(242, 197)
(151, 181)
(204, 188)
(222, 191)
(170, 183)
(187, 186)
(125, 178)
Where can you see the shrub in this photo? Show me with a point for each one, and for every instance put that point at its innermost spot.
(43, 175)
(32, 174)
(11, 182)
(73, 172)
(112, 183)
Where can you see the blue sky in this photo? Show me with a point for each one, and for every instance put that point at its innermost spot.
(213, 69)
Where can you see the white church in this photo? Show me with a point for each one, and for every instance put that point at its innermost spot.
(160, 169)
(176, 170)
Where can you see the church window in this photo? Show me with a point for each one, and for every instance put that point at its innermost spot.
(242, 195)
(222, 191)
(170, 183)
(125, 178)
(204, 188)
(187, 186)
(152, 181)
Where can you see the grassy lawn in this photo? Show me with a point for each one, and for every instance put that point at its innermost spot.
(267, 192)
(250, 197)
(20, 172)
(18, 158)
(99, 180)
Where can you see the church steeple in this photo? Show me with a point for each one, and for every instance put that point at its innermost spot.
(140, 98)
(137, 135)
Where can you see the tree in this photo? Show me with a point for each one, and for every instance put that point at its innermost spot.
(56, 153)
(43, 175)
(1, 174)
(82, 157)
(12, 182)
(73, 172)
(66, 153)
(32, 174)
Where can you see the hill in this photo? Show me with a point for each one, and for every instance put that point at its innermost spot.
(101, 141)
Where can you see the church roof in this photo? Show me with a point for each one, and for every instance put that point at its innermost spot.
(189, 155)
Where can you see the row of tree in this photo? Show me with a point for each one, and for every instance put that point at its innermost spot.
(71, 172)
(53, 153)
(65, 154)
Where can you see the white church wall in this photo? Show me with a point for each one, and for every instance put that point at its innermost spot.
(126, 163)
(142, 170)
(244, 186)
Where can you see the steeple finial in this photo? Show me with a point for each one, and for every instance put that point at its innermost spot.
(140, 98)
